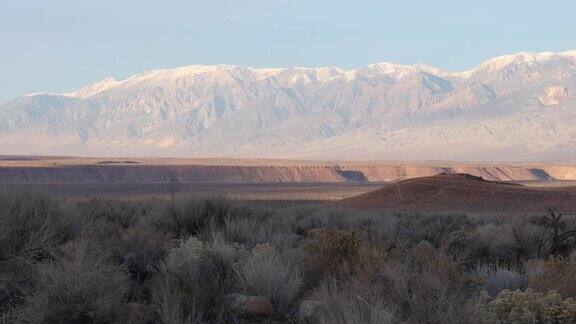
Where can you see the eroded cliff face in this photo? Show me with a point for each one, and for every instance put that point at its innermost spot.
(271, 172)
(494, 173)
(559, 172)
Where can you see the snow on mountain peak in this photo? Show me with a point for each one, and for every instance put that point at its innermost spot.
(401, 70)
(320, 74)
(94, 88)
(298, 74)
(519, 58)
(571, 54)
(382, 110)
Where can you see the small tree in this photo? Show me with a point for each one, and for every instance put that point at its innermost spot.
(556, 233)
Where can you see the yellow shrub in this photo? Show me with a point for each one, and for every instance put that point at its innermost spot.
(526, 307)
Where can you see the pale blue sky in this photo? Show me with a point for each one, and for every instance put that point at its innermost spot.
(60, 45)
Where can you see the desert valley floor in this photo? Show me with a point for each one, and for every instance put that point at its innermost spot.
(372, 184)
(436, 242)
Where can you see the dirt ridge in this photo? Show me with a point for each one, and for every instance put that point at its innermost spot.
(463, 193)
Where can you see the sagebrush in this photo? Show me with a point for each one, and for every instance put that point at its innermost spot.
(178, 261)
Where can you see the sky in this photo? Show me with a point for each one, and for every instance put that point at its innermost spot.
(61, 45)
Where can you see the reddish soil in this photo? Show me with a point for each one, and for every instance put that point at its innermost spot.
(464, 193)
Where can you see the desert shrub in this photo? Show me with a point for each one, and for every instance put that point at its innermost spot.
(352, 303)
(33, 223)
(417, 285)
(267, 272)
(529, 239)
(380, 230)
(525, 307)
(502, 244)
(555, 273)
(78, 288)
(247, 230)
(194, 217)
(435, 229)
(106, 237)
(426, 285)
(142, 252)
(309, 218)
(121, 213)
(17, 278)
(287, 241)
(361, 266)
(339, 253)
(231, 253)
(481, 242)
(560, 236)
(194, 281)
(496, 278)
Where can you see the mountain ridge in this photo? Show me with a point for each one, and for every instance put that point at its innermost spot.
(508, 58)
(511, 108)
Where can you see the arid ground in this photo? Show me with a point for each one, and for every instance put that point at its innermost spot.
(347, 242)
(463, 193)
(520, 187)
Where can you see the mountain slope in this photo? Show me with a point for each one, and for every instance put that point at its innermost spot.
(511, 108)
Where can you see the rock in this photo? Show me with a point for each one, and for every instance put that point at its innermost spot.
(250, 306)
(309, 310)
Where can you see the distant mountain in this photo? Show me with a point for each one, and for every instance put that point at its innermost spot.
(518, 107)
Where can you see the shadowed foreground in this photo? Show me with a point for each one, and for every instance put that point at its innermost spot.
(191, 260)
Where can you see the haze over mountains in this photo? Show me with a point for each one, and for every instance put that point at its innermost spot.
(512, 108)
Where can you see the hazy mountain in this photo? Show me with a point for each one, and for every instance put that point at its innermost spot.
(516, 107)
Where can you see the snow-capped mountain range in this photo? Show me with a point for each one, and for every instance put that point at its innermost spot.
(518, 107)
